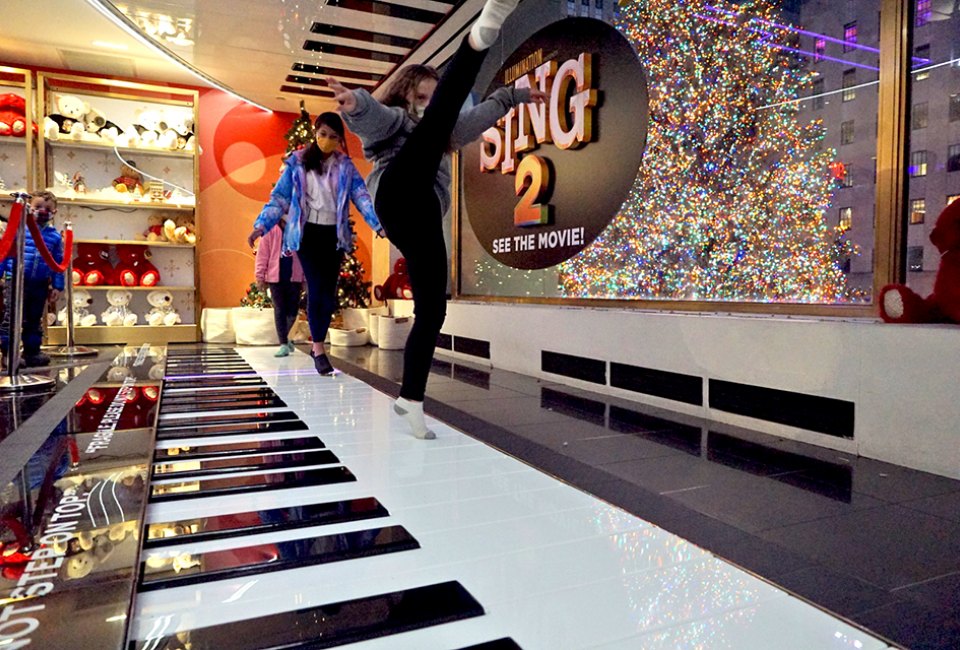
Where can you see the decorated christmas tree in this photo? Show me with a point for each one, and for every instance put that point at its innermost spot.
(352, 291)
(730, 200)
(301, 131)
(256, 298)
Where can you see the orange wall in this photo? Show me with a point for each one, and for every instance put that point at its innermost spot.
(242, 152)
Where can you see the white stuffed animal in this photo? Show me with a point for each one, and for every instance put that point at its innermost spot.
(163, 312)
(81, 314)
(152, 129)
(99, 128)
(119, 313)
(66, 120)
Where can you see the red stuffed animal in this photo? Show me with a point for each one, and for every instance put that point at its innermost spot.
(899, 304)
(92, 266)
(134, 268)
(397, 284)
(13, 119)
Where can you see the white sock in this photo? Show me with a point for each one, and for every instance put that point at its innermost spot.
(412, 412)
(485, 30)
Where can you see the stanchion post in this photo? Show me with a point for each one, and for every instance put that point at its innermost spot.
(71, 350)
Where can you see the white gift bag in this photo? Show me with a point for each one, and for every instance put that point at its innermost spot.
(216, 325)
(254, 326)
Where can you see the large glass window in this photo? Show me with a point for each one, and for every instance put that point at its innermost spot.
(737, 195)
(919, 116)
(935, 157)
(918, 211)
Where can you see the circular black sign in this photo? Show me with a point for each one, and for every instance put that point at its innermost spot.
(552, 206)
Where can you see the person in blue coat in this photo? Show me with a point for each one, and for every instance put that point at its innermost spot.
(313, 196)
(41, 284)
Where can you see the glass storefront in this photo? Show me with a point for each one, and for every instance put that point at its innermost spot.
(759, 177)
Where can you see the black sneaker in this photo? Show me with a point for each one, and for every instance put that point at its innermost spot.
(322, 364)
(36, 360)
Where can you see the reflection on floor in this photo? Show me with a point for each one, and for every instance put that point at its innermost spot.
(393, 542)
(829, 527)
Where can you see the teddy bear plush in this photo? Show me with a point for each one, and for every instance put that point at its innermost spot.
(134, 268)
(154, 231)
(67, 119)
(129, 180)
(181, 124)
(180, 231)
(397, 284)
(118, 313)
(900, 304)
(162, 312)
(97, 124)
(81, 313)
(92, 265)
(152, 129)
(13, 119)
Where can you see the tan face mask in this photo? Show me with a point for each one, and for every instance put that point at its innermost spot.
(328, 145)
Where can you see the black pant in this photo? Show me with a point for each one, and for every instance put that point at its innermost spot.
(286, 306)
(34, 302)
(320, 260)
(409, 211)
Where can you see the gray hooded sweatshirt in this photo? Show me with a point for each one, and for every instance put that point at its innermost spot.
(384, 129)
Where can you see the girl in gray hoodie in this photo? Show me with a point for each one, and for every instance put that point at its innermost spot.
(408, 137)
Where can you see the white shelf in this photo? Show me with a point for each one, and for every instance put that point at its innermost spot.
(134, 205)
(95, 146)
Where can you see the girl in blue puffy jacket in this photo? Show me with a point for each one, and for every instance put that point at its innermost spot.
(40, 283)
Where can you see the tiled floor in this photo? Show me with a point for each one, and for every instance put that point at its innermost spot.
(875, 543)
(551, 566)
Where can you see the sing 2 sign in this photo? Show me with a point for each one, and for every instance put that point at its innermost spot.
(543, 183)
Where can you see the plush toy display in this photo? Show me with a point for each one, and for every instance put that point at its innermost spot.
(154, 231)
(134, 268)
(92, 266)
(152, 129)
(397, 284)
(180, 231)
(97, 124)
(118, 313)
(81, 313)
(180, 123)
(900, 304)
(162, 312)
(13, 120)
(129, 180)
(66, 121)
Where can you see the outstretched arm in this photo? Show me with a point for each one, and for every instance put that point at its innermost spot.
(365, 116)
(473, 122)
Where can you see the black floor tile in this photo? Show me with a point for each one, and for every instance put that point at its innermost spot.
(940, 592)
(614, 447)
(202, 488)
(203, 452)
(216, 466)
(889, 547)
(838, 592)
(914, 625)
(179, 433)
(945, 505)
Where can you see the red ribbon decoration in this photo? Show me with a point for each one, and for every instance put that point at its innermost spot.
(57, 267)
(6, 242)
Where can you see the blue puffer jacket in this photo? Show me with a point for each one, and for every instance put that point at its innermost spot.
(34, 268)
(289, 198)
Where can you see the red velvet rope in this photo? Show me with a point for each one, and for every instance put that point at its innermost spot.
(6, 242)
(57, 267)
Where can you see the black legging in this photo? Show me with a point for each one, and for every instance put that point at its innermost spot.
(409, 211)
(320, 260)
(286, 306)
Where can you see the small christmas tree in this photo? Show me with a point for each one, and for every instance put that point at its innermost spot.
(301, 131)
(352, 291)
(256, 298)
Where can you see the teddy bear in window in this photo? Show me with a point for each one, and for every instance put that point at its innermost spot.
(118, 313)
(180, 123)
(67, 119)
(99, 128)
(162, 312)
(81, 313)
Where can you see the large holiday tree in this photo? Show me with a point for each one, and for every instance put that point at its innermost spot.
(301, 131)
(352, 291)
(730, 199)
